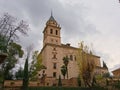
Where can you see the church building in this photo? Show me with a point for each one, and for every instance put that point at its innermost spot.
(53, 52)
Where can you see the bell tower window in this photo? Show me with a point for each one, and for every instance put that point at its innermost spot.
(56, 41)
(51, 31)
(56, 32)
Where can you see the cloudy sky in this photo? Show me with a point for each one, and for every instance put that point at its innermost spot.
(91, 21)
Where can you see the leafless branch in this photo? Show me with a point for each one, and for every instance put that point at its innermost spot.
(9, 26)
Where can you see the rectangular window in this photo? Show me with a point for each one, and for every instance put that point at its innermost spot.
(54, 74)
(54, 65)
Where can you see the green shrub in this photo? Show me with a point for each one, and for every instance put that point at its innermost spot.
(117, 85)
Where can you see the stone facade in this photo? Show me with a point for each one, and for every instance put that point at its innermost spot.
(101, 70)
(116, 73)
(53, 52)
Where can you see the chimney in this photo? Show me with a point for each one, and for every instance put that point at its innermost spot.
(68, 44)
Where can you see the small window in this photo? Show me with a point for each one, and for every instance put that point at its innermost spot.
(54, 56)
(71, 57)
(47, 84)
(75, 58)
(43, 71)
(54, 49)
(54, 65)
(51, 31)
(54, 74)
(56, 32)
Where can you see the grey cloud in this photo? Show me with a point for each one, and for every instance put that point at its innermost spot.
(72, 19)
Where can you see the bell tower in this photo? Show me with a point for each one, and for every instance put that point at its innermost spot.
(52, 32)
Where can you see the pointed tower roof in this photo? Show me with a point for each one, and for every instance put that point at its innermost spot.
(52, 21)
(51, 17)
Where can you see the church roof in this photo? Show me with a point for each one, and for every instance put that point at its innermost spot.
(64, 46)
(51, 17)
(116, 70)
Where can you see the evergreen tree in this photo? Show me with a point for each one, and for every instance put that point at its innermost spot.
(63, 70)
(104, 65)
(19, 74)
(66, 62)
(59, 81)
(79, 81)
(25, 77)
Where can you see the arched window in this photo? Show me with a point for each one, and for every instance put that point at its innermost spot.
(54, 56)
(56, 41)
(51, 31)
(75, 58)
(71, 57)
(56, 32)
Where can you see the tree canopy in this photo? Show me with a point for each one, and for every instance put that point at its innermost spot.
(86, 65)
(36, 65)
(64, 68)
(10, 28)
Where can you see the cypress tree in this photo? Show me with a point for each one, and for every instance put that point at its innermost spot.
(59, 81)
(104, 65)
(25, 77)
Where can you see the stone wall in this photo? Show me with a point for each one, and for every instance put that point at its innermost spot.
(17, 84)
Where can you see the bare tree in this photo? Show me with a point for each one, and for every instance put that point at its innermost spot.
(10, 26)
